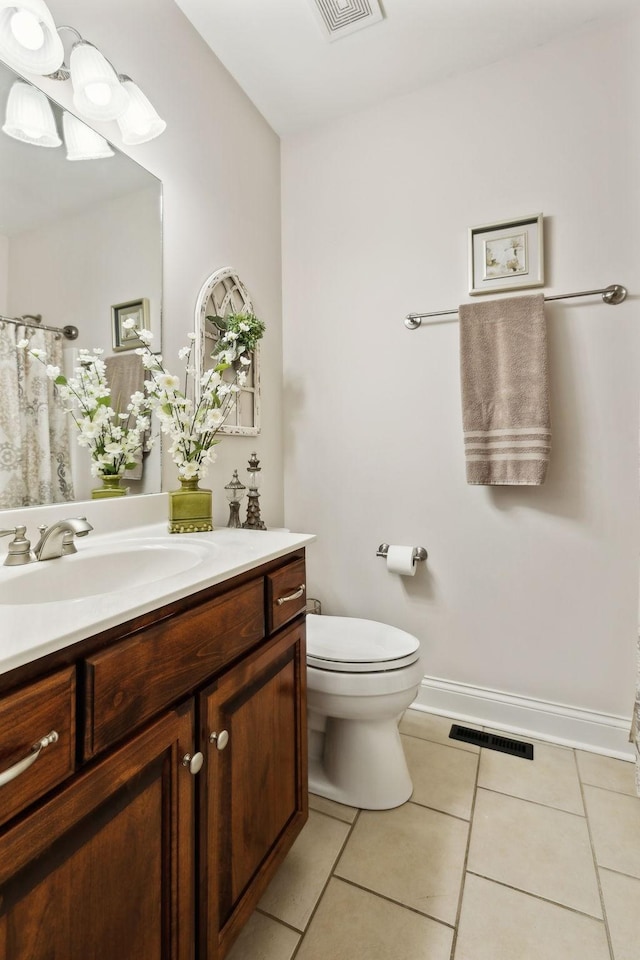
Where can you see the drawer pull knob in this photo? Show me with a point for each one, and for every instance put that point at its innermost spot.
(194, 763)
(23, 765)
(292, 596)
(220, 739)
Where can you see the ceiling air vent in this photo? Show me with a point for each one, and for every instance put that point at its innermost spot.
(341, 17)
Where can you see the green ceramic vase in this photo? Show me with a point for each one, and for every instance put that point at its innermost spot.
(190, 508)
(111, 487)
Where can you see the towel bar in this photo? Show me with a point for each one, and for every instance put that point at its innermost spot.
(614, 294)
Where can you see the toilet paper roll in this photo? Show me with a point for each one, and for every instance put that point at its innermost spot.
(400, 560)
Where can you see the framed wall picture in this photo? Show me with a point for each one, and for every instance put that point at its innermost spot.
(506, 256)
(137, 310)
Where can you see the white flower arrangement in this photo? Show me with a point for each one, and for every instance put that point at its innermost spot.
(113, 439)
(192, 416)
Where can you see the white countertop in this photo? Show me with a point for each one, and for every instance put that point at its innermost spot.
(32, 630)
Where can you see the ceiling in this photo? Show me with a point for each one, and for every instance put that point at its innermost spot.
(278, 53)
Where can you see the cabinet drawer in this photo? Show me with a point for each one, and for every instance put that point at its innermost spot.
(26, 717)
(286, 594)
(134, 679)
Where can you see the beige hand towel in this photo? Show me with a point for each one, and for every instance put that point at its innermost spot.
(125, 376)
(505, 392)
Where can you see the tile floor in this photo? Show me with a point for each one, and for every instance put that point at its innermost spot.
(494, 858)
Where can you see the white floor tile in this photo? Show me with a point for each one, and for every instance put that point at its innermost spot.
(296, 888)
(535, 848)
(499, 923)
(412, 855)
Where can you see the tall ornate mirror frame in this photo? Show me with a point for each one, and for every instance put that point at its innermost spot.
(223, 293)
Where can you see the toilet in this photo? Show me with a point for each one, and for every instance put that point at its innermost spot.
(361, 676)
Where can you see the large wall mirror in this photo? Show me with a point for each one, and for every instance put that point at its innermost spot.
(77, 238)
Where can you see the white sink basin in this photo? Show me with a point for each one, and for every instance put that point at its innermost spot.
(96, 571)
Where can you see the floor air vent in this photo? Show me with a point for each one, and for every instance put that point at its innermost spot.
(492, 741)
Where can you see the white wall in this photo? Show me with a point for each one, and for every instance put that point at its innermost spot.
(219, 162)
(109, 253)
(532, 591)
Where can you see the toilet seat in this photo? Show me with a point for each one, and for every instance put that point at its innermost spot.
(351, 645)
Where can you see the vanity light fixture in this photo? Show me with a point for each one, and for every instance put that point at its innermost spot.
(97, 91)
(30, 43)
(81, 141)
(140, 121)
(29, 116)
(29, 40)
(30, 119)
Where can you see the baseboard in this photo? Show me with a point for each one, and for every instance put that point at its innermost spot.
(569, 726)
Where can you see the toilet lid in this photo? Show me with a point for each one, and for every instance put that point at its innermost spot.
(351, 645)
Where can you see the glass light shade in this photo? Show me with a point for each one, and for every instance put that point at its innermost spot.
(29, 41)
(82, 142)
(29, 116)
(97, 92)
(140, 122)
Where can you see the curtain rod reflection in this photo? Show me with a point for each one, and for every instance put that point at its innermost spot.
(35, 320)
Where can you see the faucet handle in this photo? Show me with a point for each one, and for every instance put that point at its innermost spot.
(19, 551)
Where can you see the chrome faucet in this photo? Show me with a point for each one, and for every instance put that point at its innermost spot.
(57, 540)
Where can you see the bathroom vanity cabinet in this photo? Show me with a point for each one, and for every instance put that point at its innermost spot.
(151, 827)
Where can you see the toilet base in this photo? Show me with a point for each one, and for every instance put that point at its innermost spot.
(359, 763)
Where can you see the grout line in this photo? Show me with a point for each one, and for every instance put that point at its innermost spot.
(536, 803)
(396, 903)
(595, 861)
(327, 881)
(439, 743)
(535, 896)
(283, 923)
(618, 793)
(334, 816)
(456, 929)
(445, 813)
(620, 873)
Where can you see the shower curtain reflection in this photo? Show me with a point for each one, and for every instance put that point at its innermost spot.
(34, 431)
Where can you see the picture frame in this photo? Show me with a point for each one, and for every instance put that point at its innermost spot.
(137, 310)
(507, 255)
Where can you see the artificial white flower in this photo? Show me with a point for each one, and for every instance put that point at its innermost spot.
(129, 323)
(191, 416)
(112, 438)
(167, 381)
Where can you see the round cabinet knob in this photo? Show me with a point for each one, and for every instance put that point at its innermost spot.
(194, 763)
(220, 739)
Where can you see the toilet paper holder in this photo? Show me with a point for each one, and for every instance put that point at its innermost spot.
(419, 553)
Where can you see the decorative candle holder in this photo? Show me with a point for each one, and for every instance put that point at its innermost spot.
(235, 492)
(253, 521)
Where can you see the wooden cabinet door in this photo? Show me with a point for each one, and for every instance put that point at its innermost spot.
(254, 799)
(105, 868)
